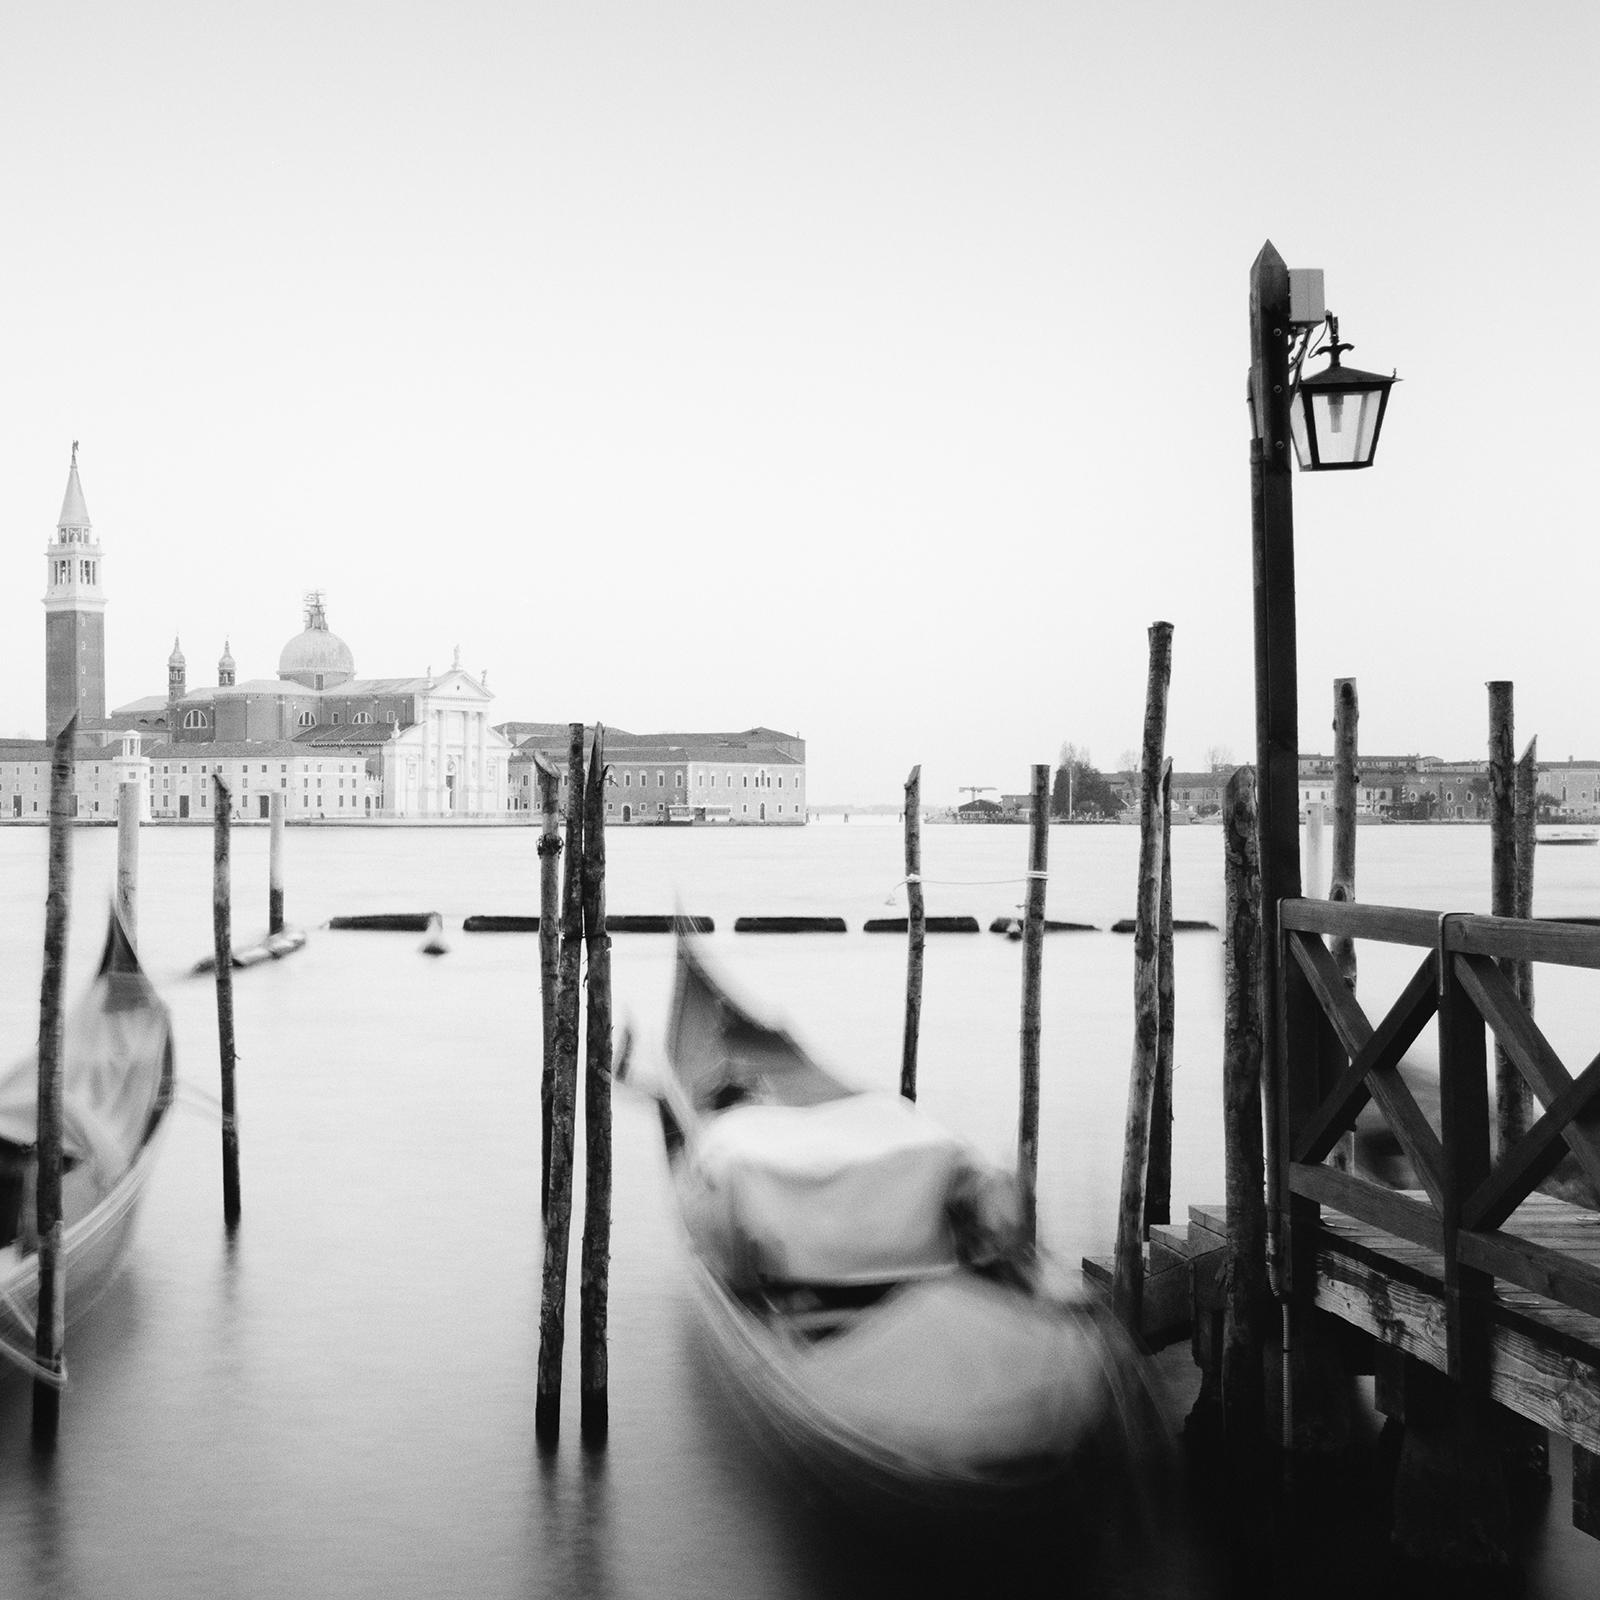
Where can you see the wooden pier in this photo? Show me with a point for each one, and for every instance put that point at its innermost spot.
(1474, 1273)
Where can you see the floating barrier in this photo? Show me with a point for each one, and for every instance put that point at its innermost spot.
(621, 922)
(1178, 926)
(932, 924)
(273, 948)
(626, 922)
(1006, 925)
(789, 925)
(387, 922)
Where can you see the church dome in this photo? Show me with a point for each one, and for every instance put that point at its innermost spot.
(316, 657)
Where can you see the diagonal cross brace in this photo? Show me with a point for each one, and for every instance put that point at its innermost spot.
(1374, 1055)
(1570, 1118)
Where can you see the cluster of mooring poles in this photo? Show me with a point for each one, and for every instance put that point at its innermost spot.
(582, 894)
(1032, 932)
(49, 1326)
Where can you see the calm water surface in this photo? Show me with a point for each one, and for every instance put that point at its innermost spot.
(340, 1402)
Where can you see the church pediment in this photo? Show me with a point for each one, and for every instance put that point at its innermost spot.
(458, 685)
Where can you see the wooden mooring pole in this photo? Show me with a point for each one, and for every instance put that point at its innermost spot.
(549, 953)
(1526, 820)
(1158, 1168)
(129, 799)
(275, 864)
(916, 934)
(563, 1110)
(1244, 1160)
(1342, 875)
(1342, 872)
(1032, 999)
(49, 1337)
(594, 1410)
(222, 939)
(1127, 1283)
(1512, 1098)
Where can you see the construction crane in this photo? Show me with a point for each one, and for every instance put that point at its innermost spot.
(975, 789)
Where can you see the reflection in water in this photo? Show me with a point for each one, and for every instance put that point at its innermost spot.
(340, 1402)
(572, 1538)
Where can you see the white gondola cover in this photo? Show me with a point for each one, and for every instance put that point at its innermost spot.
(849, 1191)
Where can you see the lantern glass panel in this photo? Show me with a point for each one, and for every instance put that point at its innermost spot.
(1345, 428)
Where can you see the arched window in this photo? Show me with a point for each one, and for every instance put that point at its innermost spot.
(196, 719)
(308, 719)
(362, 717)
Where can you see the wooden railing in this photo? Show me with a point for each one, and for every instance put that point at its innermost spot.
(1335, 1061)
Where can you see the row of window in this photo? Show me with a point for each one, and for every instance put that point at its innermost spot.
(762, 780)
(196, 718)
(661, 806)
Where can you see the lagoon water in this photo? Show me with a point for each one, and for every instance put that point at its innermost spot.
(339, 1402)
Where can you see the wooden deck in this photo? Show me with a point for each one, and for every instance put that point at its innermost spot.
(1544, 1358)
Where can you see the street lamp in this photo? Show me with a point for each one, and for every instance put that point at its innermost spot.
(1337, 413)
(1332, 418)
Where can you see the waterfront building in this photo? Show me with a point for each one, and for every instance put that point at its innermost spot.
(1381, 781)
(1573, 787)
(755, 776)
(341, 746)
(335, 745)
(1196, 793)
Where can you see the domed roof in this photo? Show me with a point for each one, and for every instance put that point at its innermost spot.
(317, 658)
(225, 661)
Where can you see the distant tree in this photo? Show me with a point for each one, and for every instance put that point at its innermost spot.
(1080, 789)
(1128, 761)
(1546, 806)
(1219, 758)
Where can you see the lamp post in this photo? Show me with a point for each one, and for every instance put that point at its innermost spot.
(1332, 420)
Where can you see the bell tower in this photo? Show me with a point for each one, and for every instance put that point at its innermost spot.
(74, 617)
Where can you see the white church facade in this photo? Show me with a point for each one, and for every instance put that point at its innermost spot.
(336, 746)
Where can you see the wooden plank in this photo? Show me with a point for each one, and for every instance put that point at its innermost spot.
(1565, 943)
(1547, 1387)
(1464, 1116)
(1586, 1491)
(1536, 1266)
(1384, 1208)
(1382, 924)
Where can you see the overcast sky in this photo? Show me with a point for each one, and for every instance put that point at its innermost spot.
(873, 371)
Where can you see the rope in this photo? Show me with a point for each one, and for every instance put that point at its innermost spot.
(23, 1315)
(201, 1101)
(24, 1358)
(41, 1373)
(967, 883)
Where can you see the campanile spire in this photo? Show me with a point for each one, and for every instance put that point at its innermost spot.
(74, 615)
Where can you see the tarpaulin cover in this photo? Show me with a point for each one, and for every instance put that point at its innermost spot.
(849, 1191)
(964, 1376)
(113, 1047)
